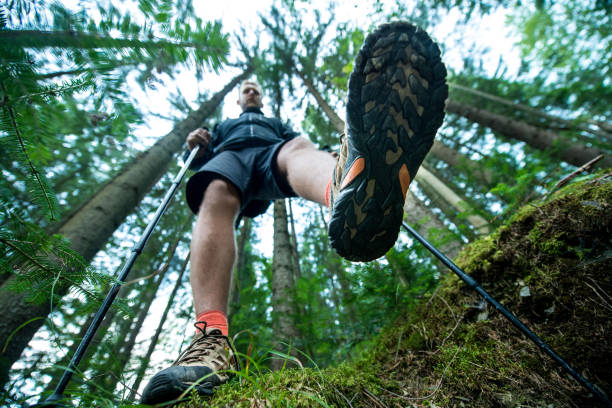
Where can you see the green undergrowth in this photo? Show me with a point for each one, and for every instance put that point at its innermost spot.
(550, 265)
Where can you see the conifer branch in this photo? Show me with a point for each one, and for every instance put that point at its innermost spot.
(25, 153)
(76, 85)
(46, 269)
(77, 71)
(24, 254)
(83, 40)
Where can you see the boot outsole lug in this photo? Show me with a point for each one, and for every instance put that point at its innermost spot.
(375, 235)
(170, 383)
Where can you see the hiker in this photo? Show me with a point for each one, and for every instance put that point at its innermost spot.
(395, 105)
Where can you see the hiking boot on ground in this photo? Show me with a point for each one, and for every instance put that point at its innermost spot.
(396, 97)
(204, 363)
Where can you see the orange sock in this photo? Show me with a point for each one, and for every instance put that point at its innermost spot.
(328, 192)
(213, 318)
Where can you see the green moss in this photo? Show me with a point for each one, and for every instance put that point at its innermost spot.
(415, 341)
(454, 351)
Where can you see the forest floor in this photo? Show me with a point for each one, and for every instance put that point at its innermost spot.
(550, 265)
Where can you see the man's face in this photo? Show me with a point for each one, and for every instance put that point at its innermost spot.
(250, 96)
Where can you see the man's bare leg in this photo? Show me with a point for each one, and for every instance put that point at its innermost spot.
(209, 355)
(213, 247)
(307, 169)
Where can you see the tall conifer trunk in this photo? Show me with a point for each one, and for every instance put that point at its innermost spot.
(570, 152)
(283, 274)
(283, 283)
(596, 128)
(431, 182)
(455, 159)
(92, 224)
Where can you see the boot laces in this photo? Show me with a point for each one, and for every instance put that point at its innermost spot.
(207, 344)
(203, 344)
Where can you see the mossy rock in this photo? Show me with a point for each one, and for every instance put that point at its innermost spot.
(550, 266)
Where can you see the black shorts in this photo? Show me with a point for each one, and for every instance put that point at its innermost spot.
(253, 171)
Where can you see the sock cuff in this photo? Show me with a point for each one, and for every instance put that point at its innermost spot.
(328, 192)
(214, 319)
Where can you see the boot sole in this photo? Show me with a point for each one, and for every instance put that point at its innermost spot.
(170, 383)
(395, 106)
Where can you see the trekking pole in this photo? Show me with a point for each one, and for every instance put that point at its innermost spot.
(472, 283)
(53, 399)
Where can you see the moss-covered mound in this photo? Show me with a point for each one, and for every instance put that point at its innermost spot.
(551, 266)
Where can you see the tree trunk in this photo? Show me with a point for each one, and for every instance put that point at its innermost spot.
(573, 153)
(430, 225)
(94, 222)
(333, 117)
(457, 160)
(282, 284)
(447, 194)
(140, 372)
(604, 131)
(294, 246)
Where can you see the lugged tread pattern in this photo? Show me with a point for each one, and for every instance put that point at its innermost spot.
(395, 105)
(203, 365)
(170, 383)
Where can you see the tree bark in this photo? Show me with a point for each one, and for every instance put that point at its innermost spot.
(333, 117)
(457, 160)
(573, 153)
(429, 225)
(568, 124)
(282, 284)
(294, 246)
(92, 224)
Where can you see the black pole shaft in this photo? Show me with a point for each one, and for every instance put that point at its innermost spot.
(112, 294)
(472, 283)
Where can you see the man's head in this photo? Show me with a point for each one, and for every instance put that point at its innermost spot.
(250, 95)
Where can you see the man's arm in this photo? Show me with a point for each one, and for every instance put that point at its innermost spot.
(197, 137)
(200, 137)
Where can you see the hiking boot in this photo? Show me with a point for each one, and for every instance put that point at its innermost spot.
(396, 96)
(204, 363)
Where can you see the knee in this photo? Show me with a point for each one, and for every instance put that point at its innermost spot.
(290, 149)
(220, 195)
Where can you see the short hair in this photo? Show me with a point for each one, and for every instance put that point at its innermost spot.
(250, 81)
